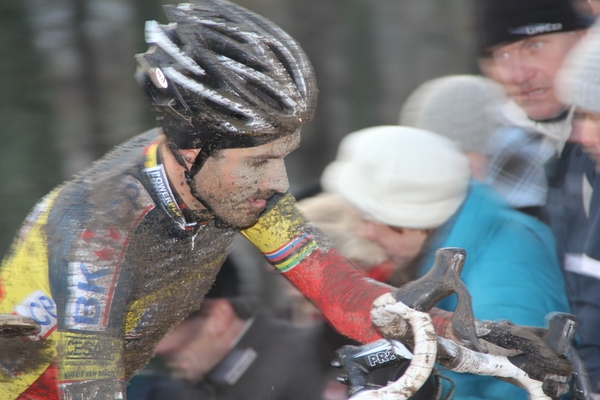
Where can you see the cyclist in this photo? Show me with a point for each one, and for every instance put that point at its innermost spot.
(110, 261)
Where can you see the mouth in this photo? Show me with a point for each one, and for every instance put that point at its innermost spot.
(532, 94)
(259, 204)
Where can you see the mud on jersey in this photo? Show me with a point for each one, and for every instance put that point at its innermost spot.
(106, 264)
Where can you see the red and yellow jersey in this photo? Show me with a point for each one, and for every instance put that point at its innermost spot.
(107, 264)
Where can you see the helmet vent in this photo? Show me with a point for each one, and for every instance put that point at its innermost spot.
(268, 97)
(223, 110)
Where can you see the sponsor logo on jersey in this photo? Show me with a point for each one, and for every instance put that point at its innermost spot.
(90, 295)
(157, 176)
(42, 309)
(98, 255)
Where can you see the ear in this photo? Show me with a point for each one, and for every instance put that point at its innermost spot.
(189, 155)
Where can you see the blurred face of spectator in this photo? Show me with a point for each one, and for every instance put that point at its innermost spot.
(586, 132)
(197, 345)
(402, 245)
(527, 70)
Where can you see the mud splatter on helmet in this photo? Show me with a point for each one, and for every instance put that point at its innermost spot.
(221, 76)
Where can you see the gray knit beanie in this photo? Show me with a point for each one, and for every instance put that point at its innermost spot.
(578, 82)
(463, 108)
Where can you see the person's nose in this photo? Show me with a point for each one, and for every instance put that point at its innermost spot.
(166, 346)
(516, 70)
(276, 178)
(521, 72)
(370, 231)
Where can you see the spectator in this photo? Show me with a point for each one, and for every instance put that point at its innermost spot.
(230, 349)
(414, 188)
(524, 43)
(346, 229)
(575, 195)
(527, 42)
(463, 108)
(123, 252)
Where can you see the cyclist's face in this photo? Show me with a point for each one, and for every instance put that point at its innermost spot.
(527, 70)
(236, 183)
(400, 244)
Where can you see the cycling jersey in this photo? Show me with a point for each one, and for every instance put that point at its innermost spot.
(109, 262)
(106, 264)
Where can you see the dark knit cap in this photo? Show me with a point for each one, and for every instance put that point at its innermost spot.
(507, 21)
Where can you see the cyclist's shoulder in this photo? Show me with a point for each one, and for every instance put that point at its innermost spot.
(126, 158)
(112, 188)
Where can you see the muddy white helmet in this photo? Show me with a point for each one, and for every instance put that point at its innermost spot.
(221, 76)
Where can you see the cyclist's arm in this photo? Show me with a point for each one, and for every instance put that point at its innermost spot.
(332, 283)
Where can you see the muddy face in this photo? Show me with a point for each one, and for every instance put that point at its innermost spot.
(236, 183)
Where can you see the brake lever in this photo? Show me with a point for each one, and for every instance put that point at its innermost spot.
(439, 282)
(559, 337)
(359, 361)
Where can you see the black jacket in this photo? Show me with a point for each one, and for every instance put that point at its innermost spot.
(274, 360)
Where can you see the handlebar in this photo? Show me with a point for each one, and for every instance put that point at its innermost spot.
(451, 355)
(406, 307)
(382, 353)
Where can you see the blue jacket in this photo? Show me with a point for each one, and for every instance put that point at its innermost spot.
(512, 272)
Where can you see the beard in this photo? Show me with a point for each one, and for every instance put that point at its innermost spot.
(236, 209)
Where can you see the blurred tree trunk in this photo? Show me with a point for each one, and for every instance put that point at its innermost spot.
(89, 48)
(29, 160)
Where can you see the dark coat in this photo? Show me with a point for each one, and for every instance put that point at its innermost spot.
(274, 360)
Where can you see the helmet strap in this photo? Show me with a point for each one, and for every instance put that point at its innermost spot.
(189, 173)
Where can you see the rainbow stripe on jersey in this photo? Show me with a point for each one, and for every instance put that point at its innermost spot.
(278, 234)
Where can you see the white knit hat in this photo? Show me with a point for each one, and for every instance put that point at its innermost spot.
(578, 81)
(463, 108)
(400, 176)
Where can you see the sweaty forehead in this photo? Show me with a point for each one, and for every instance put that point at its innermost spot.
(278, 148)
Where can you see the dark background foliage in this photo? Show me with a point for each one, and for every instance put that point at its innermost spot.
(67, 93)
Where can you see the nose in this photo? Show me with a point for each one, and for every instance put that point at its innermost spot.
(370, 231)
(515, 70)
(166, 346)
(520, 72)
(276, 178)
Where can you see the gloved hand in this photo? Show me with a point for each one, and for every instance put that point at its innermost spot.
(525, 348)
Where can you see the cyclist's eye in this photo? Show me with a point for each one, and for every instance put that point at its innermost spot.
(259, 163)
